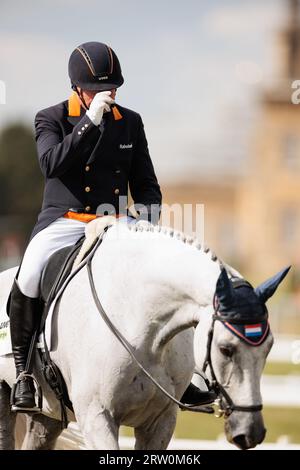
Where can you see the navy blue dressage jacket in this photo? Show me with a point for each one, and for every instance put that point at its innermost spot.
(86, 165)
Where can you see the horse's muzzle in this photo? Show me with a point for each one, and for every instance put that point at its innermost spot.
(244, 441)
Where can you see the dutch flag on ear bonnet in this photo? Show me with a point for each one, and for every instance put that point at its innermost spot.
(253, 330)
(254, 335)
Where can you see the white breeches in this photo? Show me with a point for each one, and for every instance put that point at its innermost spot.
(60, 233)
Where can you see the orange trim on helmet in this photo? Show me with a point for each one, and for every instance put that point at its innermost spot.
(111, 60)
(87, 59)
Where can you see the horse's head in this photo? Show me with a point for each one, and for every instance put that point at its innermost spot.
(238, 344)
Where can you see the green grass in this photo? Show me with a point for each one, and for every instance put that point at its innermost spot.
(281, 368)
(278, 421)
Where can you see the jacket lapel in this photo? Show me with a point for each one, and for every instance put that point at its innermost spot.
(109, 129)
(104, 129)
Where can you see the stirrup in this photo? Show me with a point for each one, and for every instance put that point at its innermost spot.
(33, 409)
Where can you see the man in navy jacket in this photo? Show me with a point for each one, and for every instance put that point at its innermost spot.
(89, 150)
(87, 161)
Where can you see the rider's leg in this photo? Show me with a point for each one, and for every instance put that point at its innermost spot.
(24, 311)
(24, 316)
(60, 233)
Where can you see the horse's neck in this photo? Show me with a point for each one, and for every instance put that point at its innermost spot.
(197, 284)
(168, 286)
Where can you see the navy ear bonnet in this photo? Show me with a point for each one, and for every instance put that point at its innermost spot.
(243, 313)
(242, 309)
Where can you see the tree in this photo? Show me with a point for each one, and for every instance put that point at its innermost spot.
(21, 181)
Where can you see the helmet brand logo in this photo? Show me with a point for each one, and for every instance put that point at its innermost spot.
(103, 78)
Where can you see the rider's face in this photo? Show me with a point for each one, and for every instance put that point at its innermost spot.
(88, 95)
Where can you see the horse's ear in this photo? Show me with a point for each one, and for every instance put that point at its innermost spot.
(265, 290)
(224, 289)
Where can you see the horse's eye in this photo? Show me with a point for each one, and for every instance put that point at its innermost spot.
(226, 351)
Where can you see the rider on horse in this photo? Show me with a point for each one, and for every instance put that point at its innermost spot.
(89, 150)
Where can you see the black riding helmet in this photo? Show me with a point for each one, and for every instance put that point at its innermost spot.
(95, 66)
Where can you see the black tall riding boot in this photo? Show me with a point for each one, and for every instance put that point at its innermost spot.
(24, 314)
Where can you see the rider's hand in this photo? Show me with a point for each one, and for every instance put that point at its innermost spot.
(101, 102)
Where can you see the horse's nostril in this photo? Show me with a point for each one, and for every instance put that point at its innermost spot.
(241, 441)
(263, 435)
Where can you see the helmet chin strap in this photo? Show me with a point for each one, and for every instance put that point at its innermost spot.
(80, 94)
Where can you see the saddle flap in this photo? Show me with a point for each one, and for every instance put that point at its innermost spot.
(57, 269)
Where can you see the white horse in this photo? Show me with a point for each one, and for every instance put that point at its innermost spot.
(155, 285)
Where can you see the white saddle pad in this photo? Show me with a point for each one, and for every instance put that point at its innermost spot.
(5, 340)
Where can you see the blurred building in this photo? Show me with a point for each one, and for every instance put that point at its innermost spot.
(254, 222)
(268, 201)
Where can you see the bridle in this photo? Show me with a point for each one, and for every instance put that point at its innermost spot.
(225, 403)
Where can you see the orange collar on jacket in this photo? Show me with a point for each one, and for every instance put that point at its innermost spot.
(75, 107)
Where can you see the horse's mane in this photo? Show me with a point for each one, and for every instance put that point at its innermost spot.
(96, 227)
(144, 226)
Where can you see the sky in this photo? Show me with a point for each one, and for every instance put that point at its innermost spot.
(192, 69)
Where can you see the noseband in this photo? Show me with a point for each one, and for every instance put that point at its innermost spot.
(224, 401)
